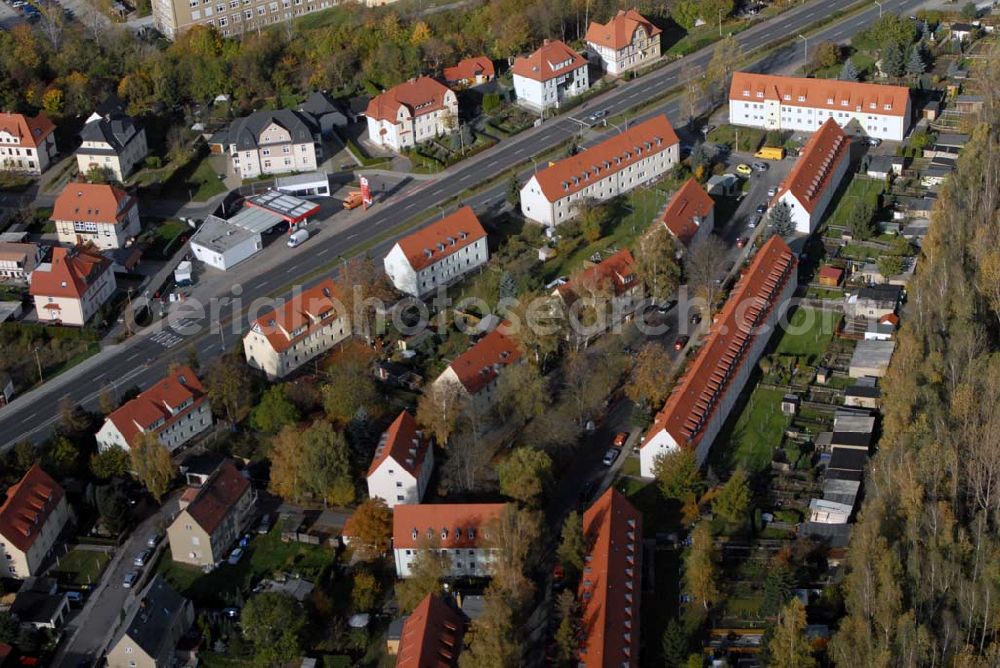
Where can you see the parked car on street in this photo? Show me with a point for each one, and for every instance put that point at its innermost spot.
(760, 166)
(741, 242)
(235, 556)
(620, 439)
(681, 342)
(142, 558)
(761, 208)
(265, 524)
(772, 191)
(744, 169)
(609, 457)
(130, 579)
(153, 540)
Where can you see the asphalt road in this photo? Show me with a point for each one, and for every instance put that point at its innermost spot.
(142, 360)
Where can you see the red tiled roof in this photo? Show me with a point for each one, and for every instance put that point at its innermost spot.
(421, 96)
(890, 318)
(619, 32)
(818, 160)
(551, 60)
(29, 503)
(217, 497)
(30, 131)
(442, 238)
(470, 68)
(464, 523)
(612, 155)
(616, 272)
(828, 271)
(431, 636)
(477, 367)
(403, 442)
(821, 93)
(92, 202)
(610, 589)
(688, 203)
(309, 310)
(5, 651)
(696, 396)
(73, 271)
(160, 402)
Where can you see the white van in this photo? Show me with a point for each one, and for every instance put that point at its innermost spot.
(297, 238)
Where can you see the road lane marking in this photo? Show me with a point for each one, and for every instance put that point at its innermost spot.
(323, 251)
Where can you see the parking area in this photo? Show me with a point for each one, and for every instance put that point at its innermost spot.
(9, 17)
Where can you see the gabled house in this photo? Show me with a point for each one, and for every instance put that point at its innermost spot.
(273, 142)
(811, 184)
(325, 112)
(97, 214)
(617, 165)
(690, 215)
(460, 531)
(176, 409)
(873, 302)
(40, 605)
(611, 286)
(702, 399)
(438, 255)
(475, 371)
(18, 260)
(610, 589)
(550, 75)
(625, 42)
(412, 112)
(113, 142)
(470, 72)
(431, 636)
(31, 519)
(309, 324)
(402, 464)
(27, 143)
(153, 626)
(72, 287)
(211, 517)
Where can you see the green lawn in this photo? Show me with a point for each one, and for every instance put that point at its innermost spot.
(807, 333)
(80, 567)
(860, 189)
(751, 440)
(750, 138)
(266, 556)
(162, 240)
(856, 252)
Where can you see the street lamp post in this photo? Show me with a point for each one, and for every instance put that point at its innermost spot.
(720, 22)
(805, 50)
(38, 361)
(879, 8)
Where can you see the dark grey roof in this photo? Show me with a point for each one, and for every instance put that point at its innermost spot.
(245, 132)
(204, 463)
(858, 439)
(881, 293)
(395, 631)
(848, 459)
(318, 104)
(33, 607)
(963, 27)
(882, 163)
(915, 203)
(116, 129)
(158, 609)
(358, 104)
(951, 139)
(844, 475)
(835, 535)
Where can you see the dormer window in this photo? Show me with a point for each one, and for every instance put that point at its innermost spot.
(760, 94)
(888, 107)
(829, 100)
(414, 534)
(472, 533)
(802, 98)
(872, 105)
(786, 97)
(444, 534)
(746, 93)
(843, 103)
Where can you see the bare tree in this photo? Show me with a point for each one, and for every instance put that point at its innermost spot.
(53, 23)
(705, 264)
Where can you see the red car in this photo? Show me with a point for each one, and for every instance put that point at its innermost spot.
(620, 439)
(680, 342)
(741, 242)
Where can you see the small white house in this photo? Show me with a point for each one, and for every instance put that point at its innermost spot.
(813, 180)
(625, 42)
(460, 531)
(27, 143)
(438, 255)
(113, 142)
(402, 465)
(550, 75)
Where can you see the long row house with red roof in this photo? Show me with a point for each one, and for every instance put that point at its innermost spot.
(698, 406)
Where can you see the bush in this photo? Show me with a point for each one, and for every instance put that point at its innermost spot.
(154, 162)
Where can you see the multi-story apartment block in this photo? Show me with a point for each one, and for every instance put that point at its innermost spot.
(460, 531)
(611, 286)
(27, 143)
(72, 287)
(95, 213)
(402, 465)
(212, 517)
(153, 626)
(18, 260)
(811, 184)
(701, 401)
(415, 111)
(438, 255)
(548, 76)
(113, 142)
(610, 589)
(31, 519)
(273, 142)
(690, 215)
(475, 372)
(625, 42)
(176, 409)
(309, 324)
(777, 102)
(232, 18)
(617, 165)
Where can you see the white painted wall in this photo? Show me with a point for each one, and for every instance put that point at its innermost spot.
(541, 95)
(394, 484)
(444, 272)
(772, 115)
(474, 562)
(228, 258)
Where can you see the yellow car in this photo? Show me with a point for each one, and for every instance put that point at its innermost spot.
(744, 169)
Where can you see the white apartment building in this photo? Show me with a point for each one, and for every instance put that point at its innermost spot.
(27, 144)
(309, 324)
(626, 42)
(548, 76)
(811, 184)
(775, 102)
(402, 465)
(72, 287)
(31, 519)
(475, 372)
(113, 142)
(415, 111)
(232, 18)
(176, 409)
(438, 255)
(701, 401)
(640, 154)
(457, 530)
(273, 142)
(95, 213)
